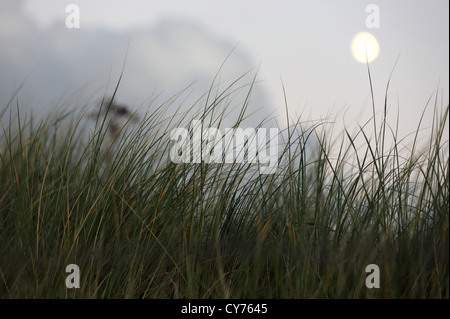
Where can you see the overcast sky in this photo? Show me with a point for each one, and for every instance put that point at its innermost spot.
(173, 43)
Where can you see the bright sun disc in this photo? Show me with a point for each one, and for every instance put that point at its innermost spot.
(365, 43)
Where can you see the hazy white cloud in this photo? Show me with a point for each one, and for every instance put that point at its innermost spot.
(167, 56)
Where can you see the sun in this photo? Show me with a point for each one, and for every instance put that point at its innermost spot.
(365, 47)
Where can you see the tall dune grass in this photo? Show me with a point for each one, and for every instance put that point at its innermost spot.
(140, 226)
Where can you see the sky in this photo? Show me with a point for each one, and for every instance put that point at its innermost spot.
(301, 46)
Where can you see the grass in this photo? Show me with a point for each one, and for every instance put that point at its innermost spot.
(140, 226)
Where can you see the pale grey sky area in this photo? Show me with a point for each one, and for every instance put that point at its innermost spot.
(173, 43)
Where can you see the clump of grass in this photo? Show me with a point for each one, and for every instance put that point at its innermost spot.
(140, 226)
